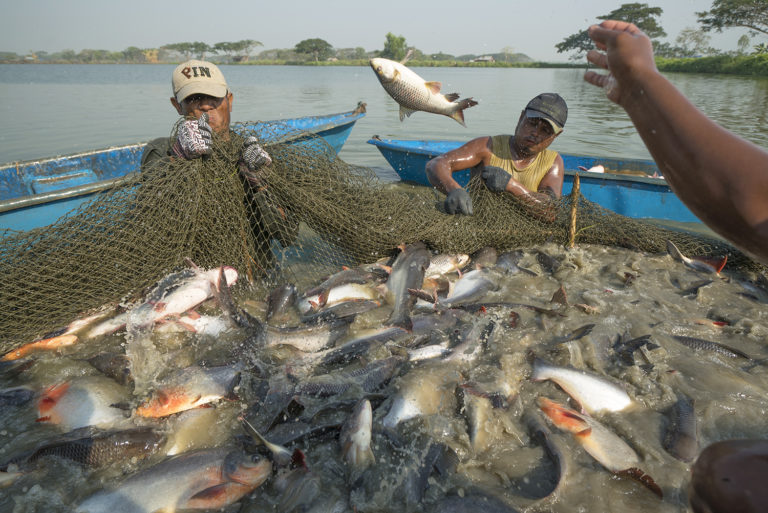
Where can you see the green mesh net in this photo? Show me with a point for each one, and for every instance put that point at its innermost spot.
(307, 214)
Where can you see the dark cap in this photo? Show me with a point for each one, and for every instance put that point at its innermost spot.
(549, 106)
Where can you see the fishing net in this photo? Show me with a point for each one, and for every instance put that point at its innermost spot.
(304, 217)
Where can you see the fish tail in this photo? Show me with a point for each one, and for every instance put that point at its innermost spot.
(643, 478)
(459, 114)
(674, 252)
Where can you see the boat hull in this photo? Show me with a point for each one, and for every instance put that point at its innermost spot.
(36, 194)
(630, 191)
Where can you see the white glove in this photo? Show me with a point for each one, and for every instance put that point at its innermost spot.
(254, 156)
(193, 138)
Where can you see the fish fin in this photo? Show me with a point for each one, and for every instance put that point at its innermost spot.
(211, 497)
(459, 117)
(423, 294)
(405, 112)
(192, 314)
(643, 478)
(43, 419)
(716, 263)
(451, 97)
(674, 252)
(434, 87)
(407, 57)
(51, 396)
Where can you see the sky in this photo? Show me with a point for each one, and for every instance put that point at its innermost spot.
(449, 26)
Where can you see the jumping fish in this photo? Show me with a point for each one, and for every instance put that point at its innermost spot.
(594, 393)
(81, 402)
(697, 264)
(204, 479)
(355, 437)
(413, 93)
(424, 391)
(189, 388)
(407, 273)
(601, 443)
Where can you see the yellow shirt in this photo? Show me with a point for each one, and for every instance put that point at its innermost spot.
(529, 176)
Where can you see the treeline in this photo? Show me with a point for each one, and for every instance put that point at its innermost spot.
(308, 51)
(756, 65)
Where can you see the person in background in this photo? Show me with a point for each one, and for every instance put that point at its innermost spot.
(518, 164)
(202, 97)
(722, 178)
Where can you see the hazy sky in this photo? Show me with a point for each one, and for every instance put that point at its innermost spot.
(450, 26)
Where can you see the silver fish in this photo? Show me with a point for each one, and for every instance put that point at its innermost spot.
(413, 93)
(355, 437)
(695, 264)
(407, 273)
(594, 393)
(423, 391)
(186, 481)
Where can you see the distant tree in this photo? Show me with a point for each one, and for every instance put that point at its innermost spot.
(199, 48)
(133, 54)
(394, 47)
(579, 43)
(184, 49)
(640, 14)
(440, 56)
(360, 53)
(244, 47)
(318, 48)
(694, 42)
(760, 49)
(743, 44)
(749, 14)
(224, 47)
(67, 55)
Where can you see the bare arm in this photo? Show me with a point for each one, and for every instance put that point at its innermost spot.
(441, 168)
(722, 178)
(541, 202)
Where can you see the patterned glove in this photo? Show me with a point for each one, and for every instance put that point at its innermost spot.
(458, 202)
(254, 156)
(193, 138)
(496, 179)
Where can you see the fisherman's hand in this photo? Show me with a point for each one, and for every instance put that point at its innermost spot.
(193, 138)
(628, 57)
(254, 156)
(496, 179)
(458, 202)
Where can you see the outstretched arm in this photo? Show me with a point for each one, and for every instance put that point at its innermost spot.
(722, 178)
(441, 168)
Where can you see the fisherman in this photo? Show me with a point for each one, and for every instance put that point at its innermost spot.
(202, 97)
(518, 164)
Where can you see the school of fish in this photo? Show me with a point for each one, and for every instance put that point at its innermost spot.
(529, 380)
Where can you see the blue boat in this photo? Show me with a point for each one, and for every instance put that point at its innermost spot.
(627, 187)
(36, 193)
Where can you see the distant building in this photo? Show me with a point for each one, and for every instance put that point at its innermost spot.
(484, 58)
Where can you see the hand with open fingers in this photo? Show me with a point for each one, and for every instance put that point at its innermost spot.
(628, 54)
(193, 138)
(496, 179)
(254, 156)
(458, 202)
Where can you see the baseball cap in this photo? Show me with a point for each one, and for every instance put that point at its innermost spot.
(549, 106)
(198, 77)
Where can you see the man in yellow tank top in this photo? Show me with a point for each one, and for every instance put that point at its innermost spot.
(518, 164)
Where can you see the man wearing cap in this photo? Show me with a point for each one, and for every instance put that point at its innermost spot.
(518, 164)
(202, 97)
